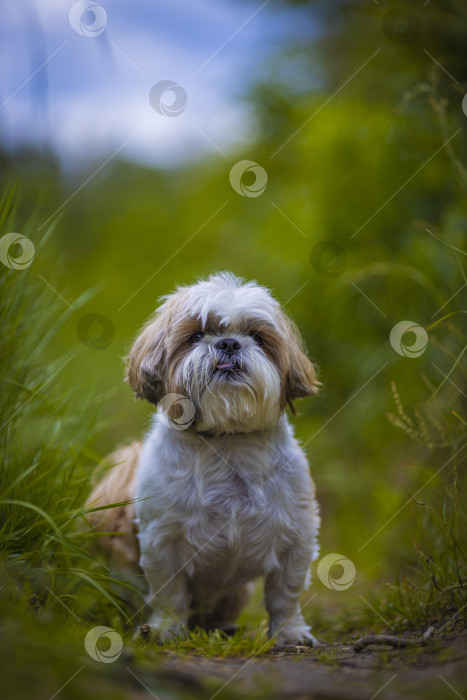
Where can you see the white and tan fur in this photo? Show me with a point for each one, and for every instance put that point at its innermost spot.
(225, 496)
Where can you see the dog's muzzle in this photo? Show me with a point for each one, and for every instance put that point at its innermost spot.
(228, 357)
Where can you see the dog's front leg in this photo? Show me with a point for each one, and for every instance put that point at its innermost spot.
(168, 598)
(282, 588)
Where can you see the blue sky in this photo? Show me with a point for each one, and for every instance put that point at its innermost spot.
(91, 97)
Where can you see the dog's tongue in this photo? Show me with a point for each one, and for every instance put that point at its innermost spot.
(228, 365)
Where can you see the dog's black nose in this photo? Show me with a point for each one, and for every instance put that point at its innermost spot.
(228, 345)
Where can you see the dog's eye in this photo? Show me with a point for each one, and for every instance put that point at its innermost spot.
(196, 337)
(257, 337)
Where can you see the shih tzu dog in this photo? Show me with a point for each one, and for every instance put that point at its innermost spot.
(222, 489)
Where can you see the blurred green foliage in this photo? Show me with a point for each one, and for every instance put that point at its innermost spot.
(370, 160)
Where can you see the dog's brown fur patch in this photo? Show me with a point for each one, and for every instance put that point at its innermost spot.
(118, 484)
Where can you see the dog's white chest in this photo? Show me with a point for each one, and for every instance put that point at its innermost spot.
(240, 520)
(228, 508)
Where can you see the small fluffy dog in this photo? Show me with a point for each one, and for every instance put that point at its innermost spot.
(223, 489)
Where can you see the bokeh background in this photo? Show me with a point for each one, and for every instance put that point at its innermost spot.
(355, 112)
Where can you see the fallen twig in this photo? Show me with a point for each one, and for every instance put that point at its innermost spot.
(391, 640)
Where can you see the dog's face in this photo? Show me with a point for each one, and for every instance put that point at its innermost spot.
(229, 348)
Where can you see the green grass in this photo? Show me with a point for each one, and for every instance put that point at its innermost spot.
(245, 642)
(46, 440)
(435, 586)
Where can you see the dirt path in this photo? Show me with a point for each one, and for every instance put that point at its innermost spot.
(335, 672)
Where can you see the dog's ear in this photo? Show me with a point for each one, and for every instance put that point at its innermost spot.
(299, 374)
(146, 360)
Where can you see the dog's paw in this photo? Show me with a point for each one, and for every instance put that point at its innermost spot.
(166, 629)
(311, 641)
(303, 641)
(160, 629)
(296, 634)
